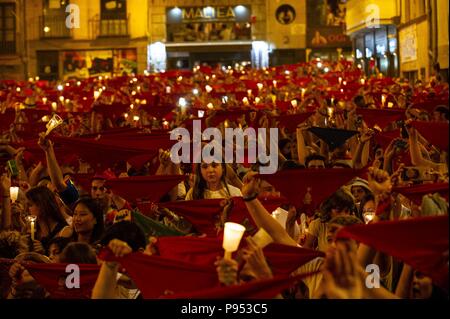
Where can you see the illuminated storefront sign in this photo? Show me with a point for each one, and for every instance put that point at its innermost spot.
(211, 23)
(238, 13)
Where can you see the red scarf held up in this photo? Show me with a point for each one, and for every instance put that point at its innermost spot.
(53, 278)
(434, 132)
(419, 242)
(282, 259)
(258, 289)
(152, 187)
(416, 192)
(381, 117)
(156, 276)
(290, 121)
(203, 214)
(293, 183)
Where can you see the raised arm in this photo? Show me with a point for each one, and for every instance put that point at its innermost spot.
(54, 170)
(260, 215)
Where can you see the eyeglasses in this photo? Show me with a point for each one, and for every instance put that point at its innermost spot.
(101, 188)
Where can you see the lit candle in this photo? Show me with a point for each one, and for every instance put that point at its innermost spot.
(257, 100)
(165, 125)
(274, 83)
(340, 80)
(13, 193)
(96, 94)
(54, 106)
(294, 103)
(363, 81)
(136, 118)
(390, 105)
(201, 113)
(260, 86)
(44, 100)
(195, 91)
(303, 93)
(168, 89)
(344, 82)
(245, 101)
(383, 99)
(32, 220)
(232, 236)
(18, 89)
(249, 93)
(208, 88)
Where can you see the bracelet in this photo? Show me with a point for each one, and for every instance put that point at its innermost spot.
(250, 198)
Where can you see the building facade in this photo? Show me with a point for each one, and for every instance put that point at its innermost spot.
(372, 26)
(63, 39)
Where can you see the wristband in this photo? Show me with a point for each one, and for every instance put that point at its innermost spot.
(250, 198)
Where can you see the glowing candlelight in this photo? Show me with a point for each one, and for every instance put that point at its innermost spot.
(368, 216)
(60, 87)
(208, 88)
(133, 93)
(363, 81)
(168, 89)
(210, 106)
(260, 86)
(96, 94)
(390, 105)
(232, 236)
(44, 100)
(245, 101)
(18, 89)
(274, 83)
(54, 106)
(383, 99)
(13, 193)
(182, 102)
(165, 125)
(195, 91)
(32, 220)
(201, 113)
(257, 100)
(249, 93)
(136, 118)
(340, 80)
(303, 93)
(294, 103)
(344, 82)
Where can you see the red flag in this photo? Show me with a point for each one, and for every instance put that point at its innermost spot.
(434, 132)
(156, 276)
(53, 278)
(419, 242)
(293, 183)
(416, 192)
(152, 187)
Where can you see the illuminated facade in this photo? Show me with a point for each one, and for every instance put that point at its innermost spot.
(126, 36)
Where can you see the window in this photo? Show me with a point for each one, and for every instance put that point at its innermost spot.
(7, 28)
(113, 9)
(53, 21)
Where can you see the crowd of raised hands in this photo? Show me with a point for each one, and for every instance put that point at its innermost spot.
(50, 213)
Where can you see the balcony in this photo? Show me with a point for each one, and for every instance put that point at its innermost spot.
(54, 27)
(107, 28)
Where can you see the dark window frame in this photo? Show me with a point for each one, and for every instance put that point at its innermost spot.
(7, 47)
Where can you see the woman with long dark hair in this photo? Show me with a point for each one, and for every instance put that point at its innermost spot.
(210, 182)
(43, 204)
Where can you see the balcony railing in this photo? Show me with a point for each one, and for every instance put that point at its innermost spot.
(54, 27)
(101, 28)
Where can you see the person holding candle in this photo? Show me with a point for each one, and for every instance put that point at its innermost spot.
(42, 204)
(5, 184)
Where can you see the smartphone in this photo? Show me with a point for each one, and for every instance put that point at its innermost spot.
(12, 167)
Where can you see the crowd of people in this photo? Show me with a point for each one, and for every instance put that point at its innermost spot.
(362, 181)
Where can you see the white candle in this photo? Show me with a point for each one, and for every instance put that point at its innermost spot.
(303, 93)
(383, 100)
(32, 230)
(13, 192)
(340, 80)
(232, 236)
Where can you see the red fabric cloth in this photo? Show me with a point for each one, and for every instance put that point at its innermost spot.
(282, 259)
(291, 121)
(419, 242)
(259, 289)
(434, 132)
(381, 117)
(429, 105)
(204, 213)
(6, 119)
(53, 278)
(293, 183)
(151, 187)
(156, 276)
(416, 192)
(105, 153)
